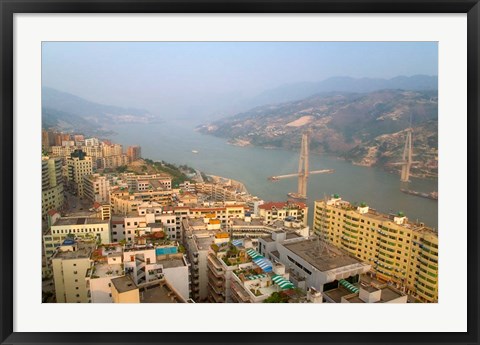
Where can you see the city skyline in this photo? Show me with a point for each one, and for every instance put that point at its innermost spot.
(169, 172)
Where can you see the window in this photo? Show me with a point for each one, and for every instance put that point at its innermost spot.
(78, 296)
(76, 288)
(75, 272)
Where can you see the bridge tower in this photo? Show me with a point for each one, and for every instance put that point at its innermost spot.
(407, 157)
(303, 167)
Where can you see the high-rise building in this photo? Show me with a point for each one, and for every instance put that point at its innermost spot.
(402, 252)
(134, 153)
(79, 227)
(112, 150)
(92, 142)
(79, 165)
(96, 188)
(70, 264)
(52, 184)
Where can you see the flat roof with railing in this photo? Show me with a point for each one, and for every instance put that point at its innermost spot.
(321, 255)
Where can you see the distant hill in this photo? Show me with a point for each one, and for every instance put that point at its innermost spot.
(296, 91)
(365, 128)
(66, 111)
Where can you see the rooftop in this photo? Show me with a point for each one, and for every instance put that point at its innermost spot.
(171, 262)
(337, 294)
(124, 284)
(329, 259)
(291, 235)
(83, 251)
(159, 293)
(242, 222)
(389, 293)
(282, 205)
(79, 221)
(203, 243)
(102, 270)
(381, 217)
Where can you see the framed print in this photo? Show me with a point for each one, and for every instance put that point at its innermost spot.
(314, 163)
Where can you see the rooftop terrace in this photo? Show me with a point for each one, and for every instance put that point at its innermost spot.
(102, 270)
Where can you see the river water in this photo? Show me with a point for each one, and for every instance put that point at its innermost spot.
(174, 141)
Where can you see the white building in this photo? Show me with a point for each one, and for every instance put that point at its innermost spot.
(52, 185)
(70, 264)
(96, 188)
(312, 263)
(78, 165)
(75, 227)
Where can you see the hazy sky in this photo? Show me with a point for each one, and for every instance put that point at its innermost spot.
(180, 77)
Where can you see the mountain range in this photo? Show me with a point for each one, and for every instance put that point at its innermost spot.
(365, 128)
(296, 91)
(64, 111)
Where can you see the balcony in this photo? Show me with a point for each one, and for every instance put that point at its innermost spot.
(215, 262)
(216, 298)
(216, 289)
(217, 280)
(239, 292)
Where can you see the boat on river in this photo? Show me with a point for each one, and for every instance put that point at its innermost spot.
(432, 195)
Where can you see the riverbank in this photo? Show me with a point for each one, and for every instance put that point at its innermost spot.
(173, 142)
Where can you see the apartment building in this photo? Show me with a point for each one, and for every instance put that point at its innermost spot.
(368, 290)
(107, 264)
(70, 264)
(402, 252)
(52, 185)
(197, 243)
(124, 290)
(257, 227)
(272, 211)
(223, 260)
(92, 142)
(311, 262)
(221, 211)
(143, 265)
(62, 151)
(124, 201)
(75, 227)
(96, 188)
(149, 263)
(134, 153)
(78, 165)
(240, 274)
(112, 150)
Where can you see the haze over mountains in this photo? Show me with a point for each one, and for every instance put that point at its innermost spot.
(65, 111)
(295, 91)
(362, 120)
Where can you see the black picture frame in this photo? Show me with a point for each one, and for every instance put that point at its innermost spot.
(10, 7)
